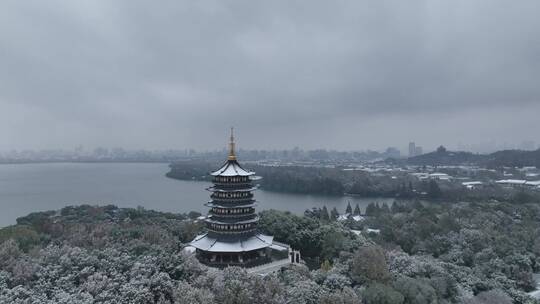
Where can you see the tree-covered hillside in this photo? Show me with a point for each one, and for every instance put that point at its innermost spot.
(298, 179)
(506, 158)
(462, 253)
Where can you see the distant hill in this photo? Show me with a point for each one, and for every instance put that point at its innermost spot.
(513, 158)
(444, 157)
(506, 158)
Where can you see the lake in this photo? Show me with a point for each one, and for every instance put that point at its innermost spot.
(26, 188)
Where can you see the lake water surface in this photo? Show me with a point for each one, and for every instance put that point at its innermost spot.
(26, 188)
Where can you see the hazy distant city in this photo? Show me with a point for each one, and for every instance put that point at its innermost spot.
(119, 154)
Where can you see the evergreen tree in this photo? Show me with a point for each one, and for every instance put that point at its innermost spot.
(326, 266)
(434, 191)
(397, 207)
(384, 208)
(334, 214)
(357, 210)
(349, 208)
(324, 214)
(372, 209)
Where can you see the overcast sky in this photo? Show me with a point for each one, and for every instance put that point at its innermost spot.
(345, 75)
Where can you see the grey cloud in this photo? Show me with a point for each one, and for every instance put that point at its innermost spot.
(361, 74)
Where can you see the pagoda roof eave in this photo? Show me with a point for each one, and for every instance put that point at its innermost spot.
(251, 220)
(210, 244)
(213, 204)
(232, 168)
(214, 189)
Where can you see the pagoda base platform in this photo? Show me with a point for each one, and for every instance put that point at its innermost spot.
(248, 252)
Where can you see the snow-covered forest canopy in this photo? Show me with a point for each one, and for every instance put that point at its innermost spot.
(456, 253)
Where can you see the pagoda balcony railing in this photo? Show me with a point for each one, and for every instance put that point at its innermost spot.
(231, 215)
(247, 264)
(232, 232)
(232, 184)
(231, 179)
(232, 199)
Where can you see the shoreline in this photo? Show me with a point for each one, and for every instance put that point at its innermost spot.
(85, 162)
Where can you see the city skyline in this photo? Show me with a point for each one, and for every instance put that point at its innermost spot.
(390, 151)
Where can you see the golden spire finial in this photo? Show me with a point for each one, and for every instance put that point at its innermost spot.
(232, 154)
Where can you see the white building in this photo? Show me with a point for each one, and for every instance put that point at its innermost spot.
(472, 185)
(519, 183)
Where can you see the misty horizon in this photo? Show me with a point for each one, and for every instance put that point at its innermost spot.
(482, 148)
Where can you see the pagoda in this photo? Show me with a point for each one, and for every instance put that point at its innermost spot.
(232, 238)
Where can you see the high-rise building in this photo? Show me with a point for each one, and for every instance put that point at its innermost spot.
(232, 237)
(412, 149)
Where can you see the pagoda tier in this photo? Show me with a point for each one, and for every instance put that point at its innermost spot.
(232, 237)
(232, 206)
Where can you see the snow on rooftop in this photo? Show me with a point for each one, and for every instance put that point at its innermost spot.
(232, 168)
(358, 218)
(511, 181)
(189, 249)
(475, 183)
(438, 174)
(357, 232)
(343, 217)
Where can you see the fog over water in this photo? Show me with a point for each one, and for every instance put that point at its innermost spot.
(40, 187)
